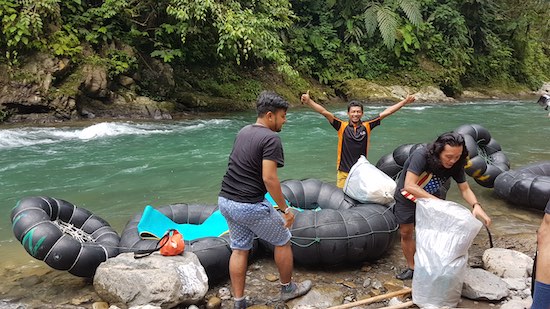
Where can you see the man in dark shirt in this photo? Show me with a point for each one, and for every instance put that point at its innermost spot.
(424, 172)
(353, 135)
(251, 173)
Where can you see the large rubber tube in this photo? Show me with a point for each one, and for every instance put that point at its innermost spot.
(392, 163)
(213, 252)
(330, 229)
(486, 158)
(528, 186)
(64, 236)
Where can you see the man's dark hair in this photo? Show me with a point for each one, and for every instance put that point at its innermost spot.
(355, 103)
(434, 150)
(269, 101)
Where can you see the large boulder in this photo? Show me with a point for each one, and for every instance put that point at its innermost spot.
(363, 90)
(164, 281)
(507, 263)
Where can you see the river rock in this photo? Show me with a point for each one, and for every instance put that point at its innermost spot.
(165, 281)
(363, 90)
(95, 84)
(480, 284)
(544, 89)
(319, 298)
(507, 263)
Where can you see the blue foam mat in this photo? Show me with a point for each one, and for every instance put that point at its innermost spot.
(154, 224)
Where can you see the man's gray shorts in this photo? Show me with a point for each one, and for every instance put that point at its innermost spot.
(247, 220)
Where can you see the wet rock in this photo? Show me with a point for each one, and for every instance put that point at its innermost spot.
(95, 84)
(214, 303)
(100, 305)
(271, 277)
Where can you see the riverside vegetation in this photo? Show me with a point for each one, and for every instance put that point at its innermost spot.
(86, 58)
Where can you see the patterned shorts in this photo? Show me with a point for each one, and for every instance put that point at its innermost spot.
(247, 220)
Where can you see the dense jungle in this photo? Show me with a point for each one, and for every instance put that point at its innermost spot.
(78, 59)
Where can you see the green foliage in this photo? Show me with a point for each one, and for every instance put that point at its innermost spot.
(246, 30)
(116, 62)
(65, 43)
(227, 82)
(385, 17)
(120, 62)
(463, 42)
(98, 25)
(22, 24)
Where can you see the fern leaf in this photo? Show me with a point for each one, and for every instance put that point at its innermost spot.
(387, 23)
(412, 10)
(371, 21)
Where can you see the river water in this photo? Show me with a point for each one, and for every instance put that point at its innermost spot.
(114, 169)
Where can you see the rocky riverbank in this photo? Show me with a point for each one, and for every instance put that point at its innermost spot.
(37, 286)
(50, 90)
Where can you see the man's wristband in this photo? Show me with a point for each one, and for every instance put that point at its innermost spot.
(476, 203)
(286, 211)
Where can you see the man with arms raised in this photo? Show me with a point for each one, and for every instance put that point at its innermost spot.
(354, 134)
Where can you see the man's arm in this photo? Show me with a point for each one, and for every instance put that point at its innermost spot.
(394, 108)
(471, 199)
(411, 186)
(306, 99)
(273, 186)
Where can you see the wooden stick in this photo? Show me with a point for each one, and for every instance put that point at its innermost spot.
(373, 299)
(400, 306)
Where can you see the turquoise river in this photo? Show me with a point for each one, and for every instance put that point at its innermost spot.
(114, 169)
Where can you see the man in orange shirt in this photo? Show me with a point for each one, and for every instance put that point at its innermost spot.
(353, 135)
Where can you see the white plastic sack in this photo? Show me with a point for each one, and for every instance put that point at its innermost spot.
(368, 184)
(444, 232)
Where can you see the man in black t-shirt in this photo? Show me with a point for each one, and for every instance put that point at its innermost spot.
(353, 135)
(251, 173)
(424, 172)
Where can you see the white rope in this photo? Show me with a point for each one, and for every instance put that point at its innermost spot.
(73, 231)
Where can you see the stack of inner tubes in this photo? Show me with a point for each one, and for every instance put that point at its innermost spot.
(392, 163)
(331, 229)
(64, 236)
(528, 186)
(486, 158)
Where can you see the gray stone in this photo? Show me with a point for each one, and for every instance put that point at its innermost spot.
(516, 283)
(480, 284)
(165, 281)
(517, 304)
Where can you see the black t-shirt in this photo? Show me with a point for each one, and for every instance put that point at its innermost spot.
(243, 181)
(417, 164)
(353, 141)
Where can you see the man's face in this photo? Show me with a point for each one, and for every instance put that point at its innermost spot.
(450, 155)
(355, 113)
(277, 119)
